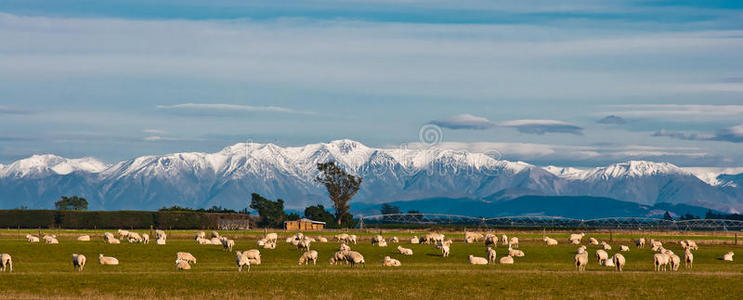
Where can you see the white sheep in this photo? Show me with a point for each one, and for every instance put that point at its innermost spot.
(618, 260)
(445, 250)
(506, 260)
(6, 262)
(107, 260)
(415, 240)
(504, 240)
(608, 262)
(692, 244)
(52, 241)
(338, 257)
(623, 248)
(391, 262)
(123, 233)
(660, 261)
(375, 240)
(84, 238)
(201, 241)
(307, 257)
(344, 247)
(728, 256)
(272, 237)
(134, 237)
(228, 244)
(322, 239)
(78, 262)
(605, 246)
(160, 241)
(216, 241)
(304, 245)
(355, 258)
(581, 249)
(640, 243)
(145, 238)
(160, 235)
(515, 252)
(601, 256)
(675, 262)
(593, 241)
(182, 265)
(580, 260)
(241, 261)
(343, 237)
(185, 256)
(200, 235)
(575, 238)
(550, 241)
(404, 251)
(382, 243)
(491, 255)
(253, 255)
(394, 239)
(472, 237)
(513, 242)
(491, 240)
(32, 239)
(269, 245)
(688, 258)
(476, 260)
(216, 234)
(352, 238)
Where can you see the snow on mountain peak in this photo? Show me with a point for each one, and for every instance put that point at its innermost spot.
(42, 164)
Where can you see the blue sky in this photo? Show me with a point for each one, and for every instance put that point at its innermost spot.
(529, 79)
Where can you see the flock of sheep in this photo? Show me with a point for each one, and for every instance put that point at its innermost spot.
(662, 259)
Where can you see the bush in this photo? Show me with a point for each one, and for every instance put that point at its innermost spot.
(27, 218)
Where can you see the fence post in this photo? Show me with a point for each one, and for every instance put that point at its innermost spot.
(611, 236)
(736, 239)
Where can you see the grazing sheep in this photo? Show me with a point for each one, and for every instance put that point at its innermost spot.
(84, 238)
(491, 239)
(608, 263)
(107, 235)
(593, 241)
(355, 258)
(660, 261)
(272, 237)
(575, 238)
(640, 243)
(241, 261)
(182, 265)
(506, 260)
(623, 248)
(601, 256)
(618, 260)
(692, 244)
(728, 256)
(134, 237)
(160, 241)
(550, 241)
(185, 256)
(352, 238)
(476, 260)
(394, 239)
(344, 247)
(472, 237)
(491, 255)
(32, 239)
(391, 262)
(655, 245)
(504, 240)
(445, 250)
(78, 262)
(580, 261)
(605, 246)
(254, 256)
(200, 235)
(514, 241)
(404, 251)
(675, 261)
(107, 260)
(123, 233)
(338, 257)
(303, 245)
(6, 262)
(688, 258)
(145, 238)
(228, 244)
(322, 239)
(307, 257)
(375, 240)
(343, 237)
(415, 240)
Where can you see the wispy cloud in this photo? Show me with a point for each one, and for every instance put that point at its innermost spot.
(464, 121)
(195, 107)
(612, 120)
(155, 131)
(467, 121)
(676, 110)
(733, 134)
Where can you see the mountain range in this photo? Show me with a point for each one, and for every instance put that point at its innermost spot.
(228, 177)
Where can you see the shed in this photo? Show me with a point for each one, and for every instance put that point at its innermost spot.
(303, 224)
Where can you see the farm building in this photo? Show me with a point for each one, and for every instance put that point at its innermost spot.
(303, 224)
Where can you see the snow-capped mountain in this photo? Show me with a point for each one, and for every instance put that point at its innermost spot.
(228, 177)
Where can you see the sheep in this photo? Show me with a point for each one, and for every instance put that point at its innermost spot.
(575, 238)
(491, 239)
(110, 239)
(107, 260)
(182, 265)
(593, 241)
(215, 234)
(253, 255)
(476, 260)
(352, 238)
(78, 262)
(289, 239)
(472, 237)
(660, 261)
(113, 241)
(580, 261)
(382, 243)
(322, 239)
(581, 250)
(160, 241)
(269, 245)
(683, 244)
(241, 260)
(608, 262)
(623, 248)
(201, 241)
(514, 252)
(343, 237)
(32, 239)
(134, 237)
(506, 260)
(728, 256)
(6, 262)
(375, 240)
(391, 262)
(216, 241)
(605, 246)
(123, 233)
(688, 258)
(145, 238)
(675, 261)
(415, 240)
(618, 260)
(199, 235)
(394, 239)
(690, 244)
(445, 250)
(655, 245)
(601, 256)
(640, 243)
(344, 247)
(338, 257)
(84, 238)
(107, 235)
(491, 255)
(303, 245)
(307, 257)
(514, 241)
(271, 237)
(404, 251)
(228, 244)
(185, 256)
(52, 241)
(504, 240)
(160, 235)
(575, 242)
(550, 241)
(355, 258)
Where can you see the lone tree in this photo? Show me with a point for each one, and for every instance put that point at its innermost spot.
(71, 203)
(341, 187)
(272, 212)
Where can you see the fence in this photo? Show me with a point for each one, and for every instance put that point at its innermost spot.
(627, 223)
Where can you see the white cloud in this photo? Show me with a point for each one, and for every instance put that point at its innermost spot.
(464, 121)
(467, 121)
(154, 131)
(677, 110)
(231, 107)
(733, 134)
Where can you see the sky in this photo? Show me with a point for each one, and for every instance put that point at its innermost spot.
(574, 83)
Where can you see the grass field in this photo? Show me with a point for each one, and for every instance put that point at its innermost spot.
(148, 271)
